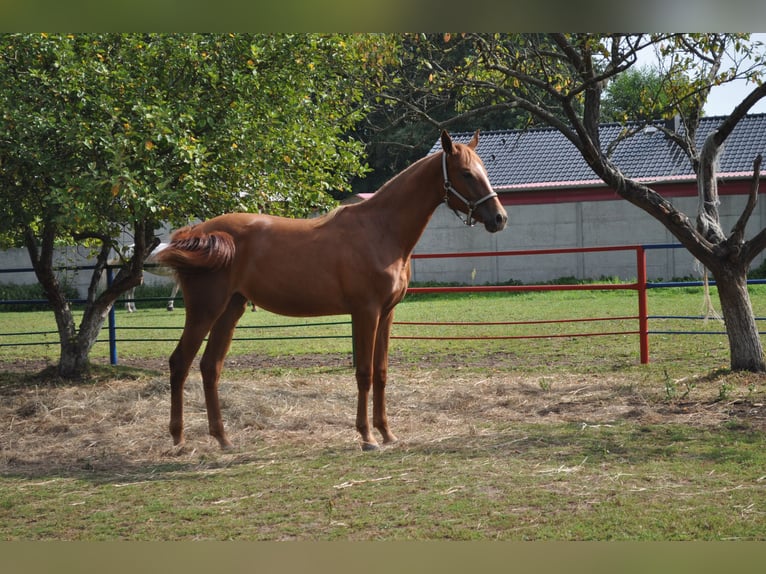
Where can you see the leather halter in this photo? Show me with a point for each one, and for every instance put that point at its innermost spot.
(471, 205)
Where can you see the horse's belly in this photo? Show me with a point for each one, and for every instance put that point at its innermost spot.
(302, 299)
(310, 275)
(299, 308)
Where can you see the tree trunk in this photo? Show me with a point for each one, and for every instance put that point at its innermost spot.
(727, 259)
(76, 344)
(745, 347)
(74, 363)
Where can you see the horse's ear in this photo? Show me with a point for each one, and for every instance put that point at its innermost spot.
(474, 140)
(447, 142)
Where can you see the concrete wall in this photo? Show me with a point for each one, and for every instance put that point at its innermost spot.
(564, 225)
(560, 225)
(66, 258)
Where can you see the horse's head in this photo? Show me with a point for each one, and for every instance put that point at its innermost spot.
(466, 185)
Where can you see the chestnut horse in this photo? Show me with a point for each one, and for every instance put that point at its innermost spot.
(355, 260)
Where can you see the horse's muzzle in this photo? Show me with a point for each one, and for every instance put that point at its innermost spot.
(496, 223)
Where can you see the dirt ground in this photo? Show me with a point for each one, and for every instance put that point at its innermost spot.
(116, 424)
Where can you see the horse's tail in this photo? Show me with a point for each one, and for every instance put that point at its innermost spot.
(192, 250)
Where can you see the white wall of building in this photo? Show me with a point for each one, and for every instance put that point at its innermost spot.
(548, 226)
(565, 225)
(67, 259)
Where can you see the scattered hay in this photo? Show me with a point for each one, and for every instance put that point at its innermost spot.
(120, 425)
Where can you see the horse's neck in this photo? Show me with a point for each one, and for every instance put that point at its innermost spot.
(406, 203)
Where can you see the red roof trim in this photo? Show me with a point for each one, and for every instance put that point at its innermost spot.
(598, 191)
(600, 183)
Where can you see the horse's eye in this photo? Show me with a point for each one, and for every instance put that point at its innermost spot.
(467, 175)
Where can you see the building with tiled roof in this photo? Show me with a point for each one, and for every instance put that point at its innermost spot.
(554, 200)
(542, 159)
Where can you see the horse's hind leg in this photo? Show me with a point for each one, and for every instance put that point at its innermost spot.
(180, 363)
(211, 364)
(202, 309)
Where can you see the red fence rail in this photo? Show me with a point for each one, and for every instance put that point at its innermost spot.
(639, 286)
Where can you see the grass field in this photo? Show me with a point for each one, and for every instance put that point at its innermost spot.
(565, 438)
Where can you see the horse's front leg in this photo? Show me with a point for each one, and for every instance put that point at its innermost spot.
(364, 328)
(379, 376)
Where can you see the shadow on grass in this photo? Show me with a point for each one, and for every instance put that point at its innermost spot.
(33, 375)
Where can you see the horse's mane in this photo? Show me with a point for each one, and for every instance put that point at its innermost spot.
(327, 217)
(404, 173)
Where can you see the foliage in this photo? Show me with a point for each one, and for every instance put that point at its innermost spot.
(103, 134)
(643, 94)
(409, 106)
(414, 101)
(100, 130)
(548, 76)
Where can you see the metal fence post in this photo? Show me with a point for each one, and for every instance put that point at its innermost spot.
(112, 325)
(643, 315)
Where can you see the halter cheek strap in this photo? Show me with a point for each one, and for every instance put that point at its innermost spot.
(471, 205)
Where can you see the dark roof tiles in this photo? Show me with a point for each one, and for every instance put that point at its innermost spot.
(544, 158)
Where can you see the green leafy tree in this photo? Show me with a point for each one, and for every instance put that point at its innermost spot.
(409, 108)
(103, 134)
(644, 94)
(559, 79)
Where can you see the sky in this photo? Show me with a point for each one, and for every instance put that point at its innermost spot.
(722, 99)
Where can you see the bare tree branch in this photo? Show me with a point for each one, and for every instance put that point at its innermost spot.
(737, 235)
(738, 113)
(413, 108)
(708, 219)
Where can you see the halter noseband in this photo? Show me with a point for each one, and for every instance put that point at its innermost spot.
(471, 205)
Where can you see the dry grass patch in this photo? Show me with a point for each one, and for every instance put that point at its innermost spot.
(120, 423)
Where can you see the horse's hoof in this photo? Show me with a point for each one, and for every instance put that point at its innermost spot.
(178, 449)
(225, 444)
(369, 446)
(390, 439)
